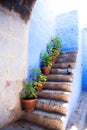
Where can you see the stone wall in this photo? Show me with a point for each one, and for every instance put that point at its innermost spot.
(13, 64)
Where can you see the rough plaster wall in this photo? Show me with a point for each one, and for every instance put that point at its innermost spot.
(13, 64)
(67, 26)
(42, 28)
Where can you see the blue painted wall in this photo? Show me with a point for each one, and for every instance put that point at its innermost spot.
(42, 28)
(84, 59)
(67, 26)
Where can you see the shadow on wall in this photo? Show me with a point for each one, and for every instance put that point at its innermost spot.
(67, 26)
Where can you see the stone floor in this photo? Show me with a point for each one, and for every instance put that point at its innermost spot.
(77, 121)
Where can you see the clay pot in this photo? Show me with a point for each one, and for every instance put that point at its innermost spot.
(29, 105)
(39, 88)
(46, 70)
(53, 59)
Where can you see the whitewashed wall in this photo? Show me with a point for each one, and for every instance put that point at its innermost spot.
(13, 64)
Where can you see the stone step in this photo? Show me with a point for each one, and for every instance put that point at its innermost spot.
(65, 59)
(50, 121)
(59, 78)
(68, 54)
(55, 95)
(59, 71)
(63, 65)
(65, 86)
(23, 125)
(52, 106)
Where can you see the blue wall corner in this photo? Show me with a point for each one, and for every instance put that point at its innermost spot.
(67, 26)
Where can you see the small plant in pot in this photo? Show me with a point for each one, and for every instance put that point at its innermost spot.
(57, 43)
(42, 78)
(52, 51)
(29, 96)
(39, 78)
(46, 62)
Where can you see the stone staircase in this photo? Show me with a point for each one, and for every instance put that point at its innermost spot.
(53, 101)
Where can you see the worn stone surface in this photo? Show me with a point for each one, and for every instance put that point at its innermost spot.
(66, 54)
(13, 64)
(47, 120)
(56, 95)
(63, 65)
(78, 120)
(52, 106)
(66, 59)
(60, 78)
(58, 86)
(59, 71)
(23, 125)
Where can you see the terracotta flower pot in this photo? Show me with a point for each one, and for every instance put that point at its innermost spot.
(29, 105)
(39, 88)
(46, 70)
(53, 59)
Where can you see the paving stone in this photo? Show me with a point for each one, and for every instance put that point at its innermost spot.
(77, 120)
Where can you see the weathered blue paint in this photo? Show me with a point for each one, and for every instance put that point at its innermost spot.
(67, 26)
(84, 59)
(42, 28)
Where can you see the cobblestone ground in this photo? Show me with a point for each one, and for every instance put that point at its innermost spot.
(77, 121)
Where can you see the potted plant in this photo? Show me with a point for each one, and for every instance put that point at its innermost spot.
(52, 51)
(29, 96)
(57, 43)
(42, 78)
(46, 62)
(39, 78)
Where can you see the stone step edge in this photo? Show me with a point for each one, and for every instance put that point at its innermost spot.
(54, 91)
(69, 51)
(66, 75)
(55, 95)
(44, 119)
(60, 83)
(52, 106)
(51, 102)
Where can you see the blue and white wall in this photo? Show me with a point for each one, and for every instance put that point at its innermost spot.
(67, 26)
(42, 28)
(47, 20)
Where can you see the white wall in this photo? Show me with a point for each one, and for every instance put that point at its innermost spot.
(13, 64)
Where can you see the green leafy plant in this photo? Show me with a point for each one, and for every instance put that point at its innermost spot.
(46, 59)
(29, 90)
(57, 42)
(37, 75)
(42, 78)
(34, 73)
(51, 50)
